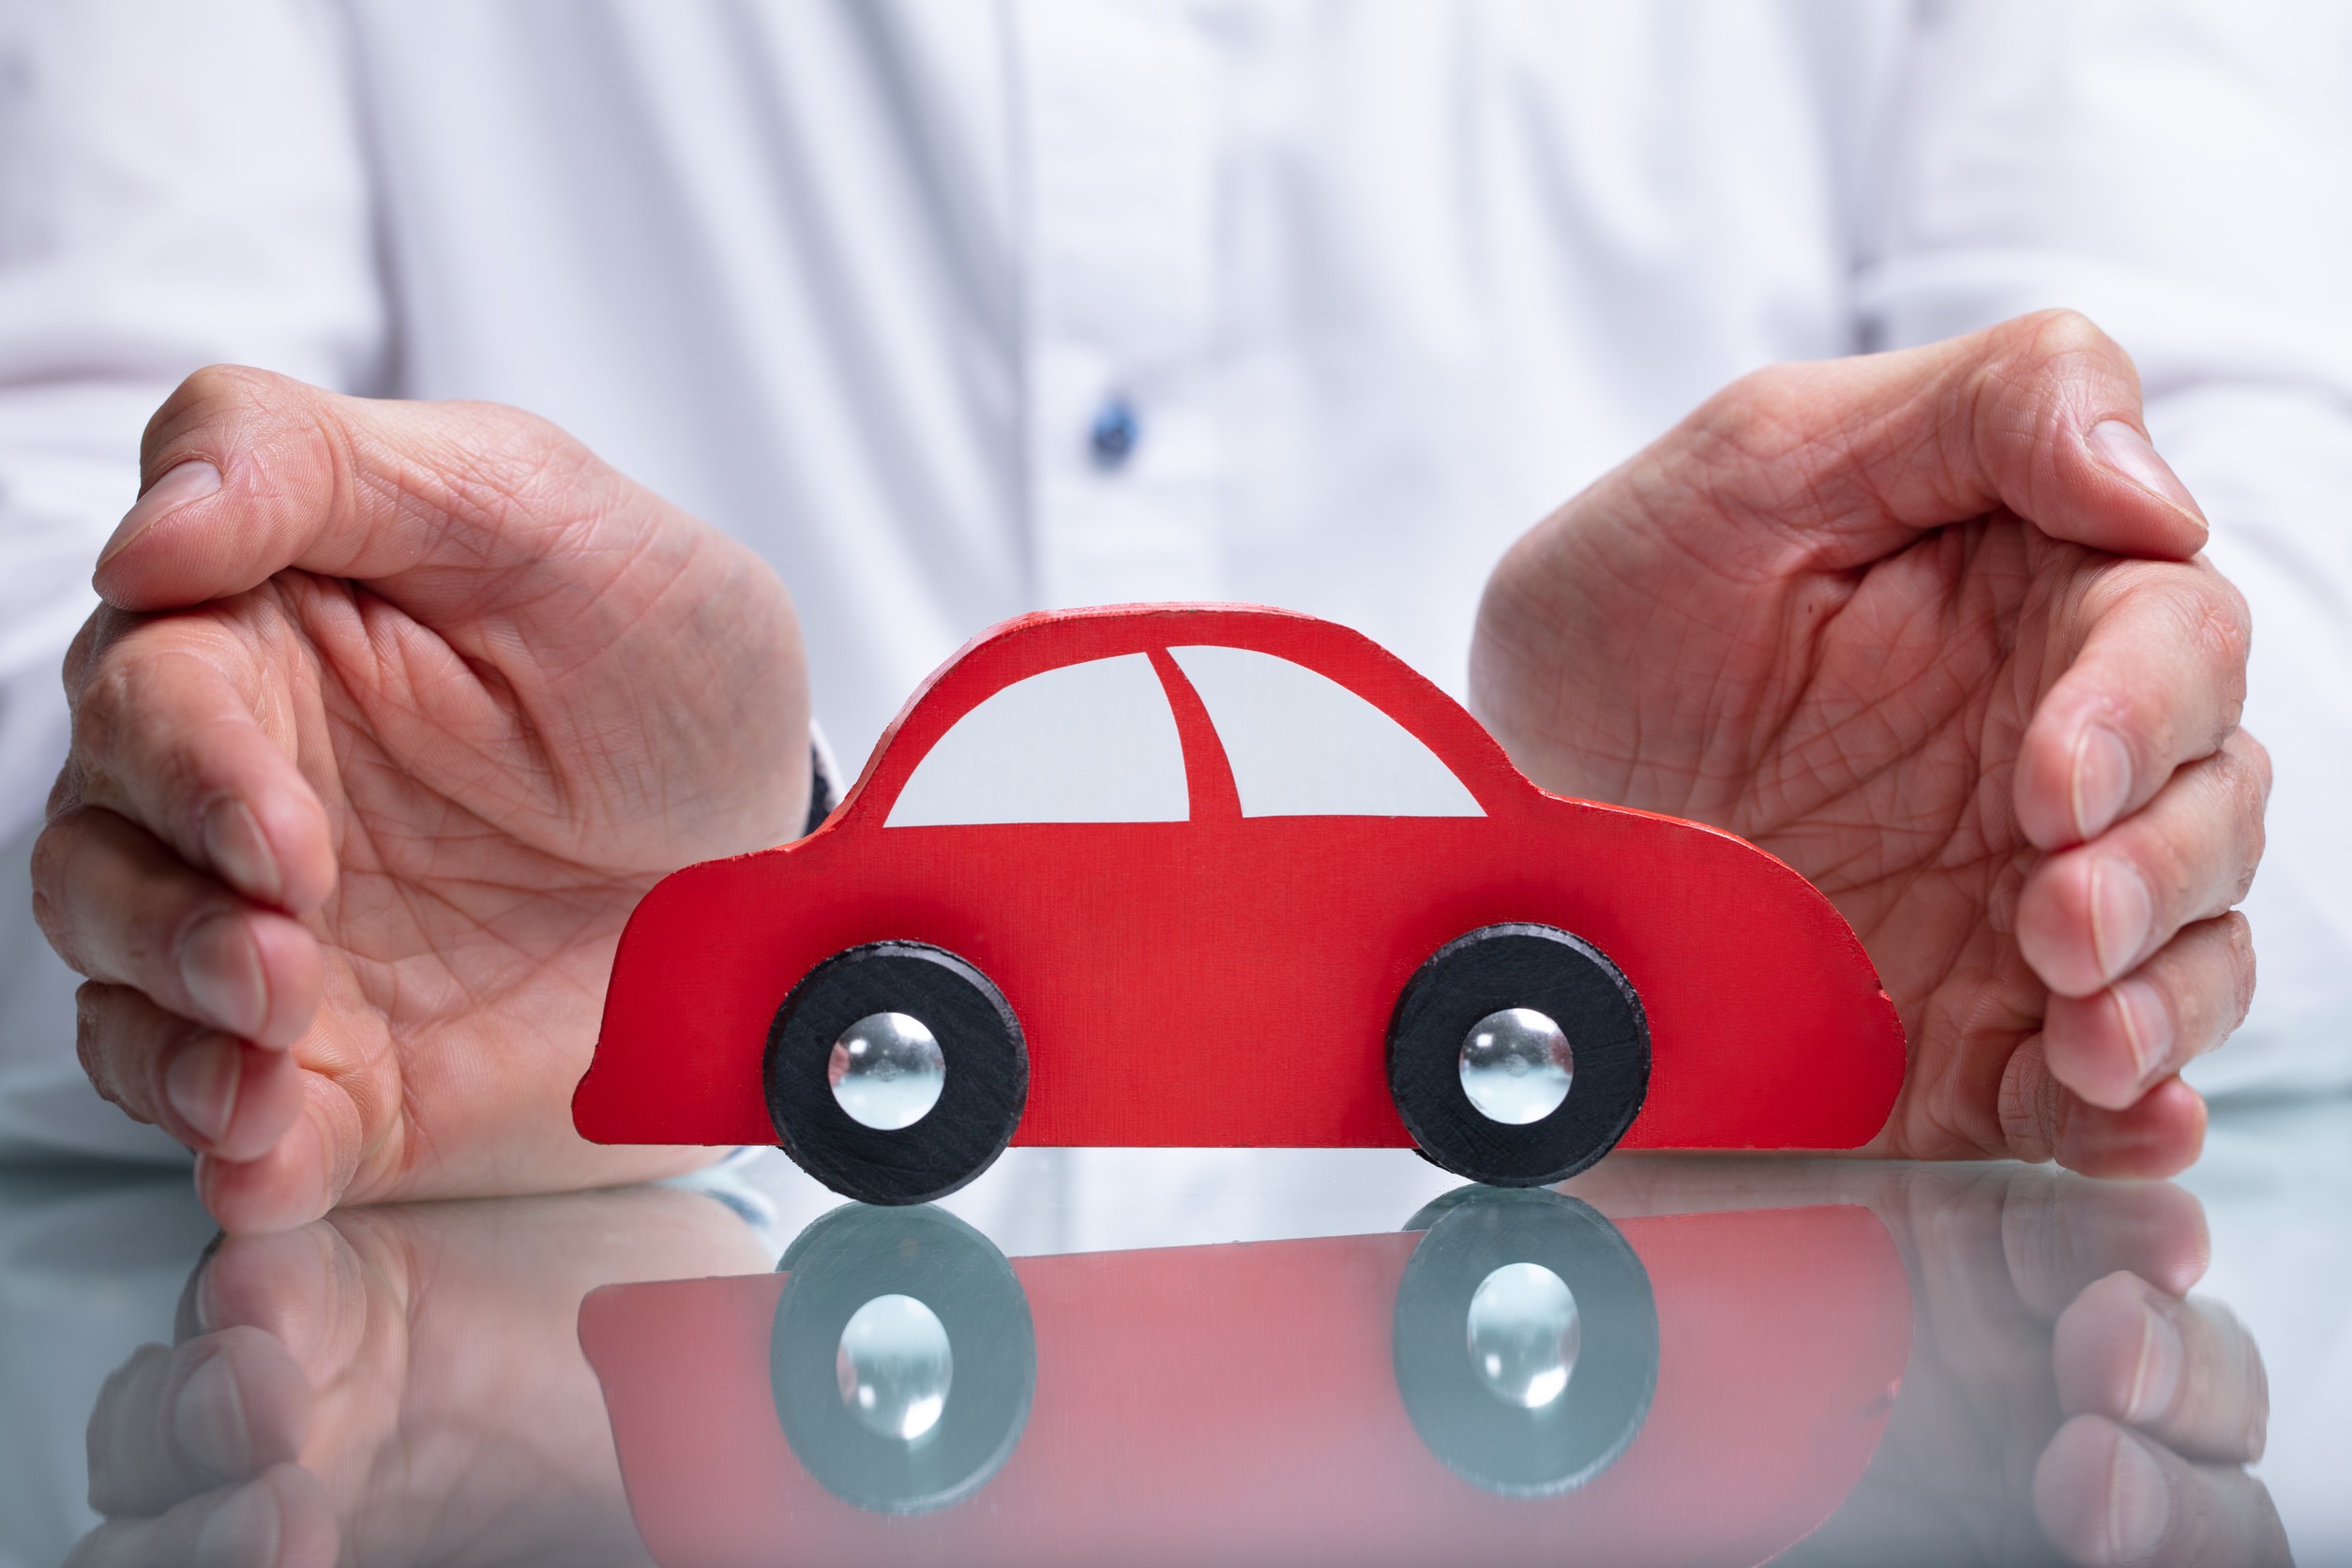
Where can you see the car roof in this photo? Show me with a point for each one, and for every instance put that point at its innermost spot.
(1030, 644)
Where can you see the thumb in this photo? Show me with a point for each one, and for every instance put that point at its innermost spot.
(1849, 460)
(610, 632)
(453, 512)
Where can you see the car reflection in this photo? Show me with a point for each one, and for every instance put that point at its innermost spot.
(1510, 1372)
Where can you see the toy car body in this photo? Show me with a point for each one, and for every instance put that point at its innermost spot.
(1199, 853)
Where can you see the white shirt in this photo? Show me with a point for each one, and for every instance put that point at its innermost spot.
(1379, 285)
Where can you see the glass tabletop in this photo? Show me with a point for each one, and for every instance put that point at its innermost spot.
(1204, 1357)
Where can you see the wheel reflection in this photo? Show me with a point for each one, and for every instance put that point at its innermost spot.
(1525, 1340)
(1525, 1332)
(903, 1358)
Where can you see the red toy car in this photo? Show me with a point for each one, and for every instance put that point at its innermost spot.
(1207, 875)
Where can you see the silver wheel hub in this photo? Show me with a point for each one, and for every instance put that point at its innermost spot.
(1516, 1066)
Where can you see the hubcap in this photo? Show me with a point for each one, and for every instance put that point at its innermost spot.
(887, 1071)
(1516, 1066)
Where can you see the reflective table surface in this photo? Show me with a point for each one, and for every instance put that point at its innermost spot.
(1205, 1357)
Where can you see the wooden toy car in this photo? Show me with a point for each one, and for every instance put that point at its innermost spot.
(1202, 875)
(1521, 1381)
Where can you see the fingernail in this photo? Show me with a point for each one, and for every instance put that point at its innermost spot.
(234, 845)
(2138, 1499)
(2146, 1027)
(202, 1084)
(190, 481)
(2121, 916)
(2102, 780)
(208, 1421)
(241, 1531)
(2156, 1380)
(2131, 454)
(223, 976)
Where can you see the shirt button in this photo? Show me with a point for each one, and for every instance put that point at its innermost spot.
(1114, 433)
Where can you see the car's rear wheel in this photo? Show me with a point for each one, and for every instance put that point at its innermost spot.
(895, 1072)
(1517, 1055)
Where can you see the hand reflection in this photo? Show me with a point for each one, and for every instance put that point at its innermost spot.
(399, 1385)
(2165, 1400)
(2066, 1398)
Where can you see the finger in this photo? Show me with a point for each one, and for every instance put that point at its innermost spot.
(282, 1519)
(2105, 1495)
(215, 1093)
(2093, 915)
(2043, 1120)
(172, 1423)
(2040, 416)
(2158, 681)
(306, 1287)
(299, 1177)
(2182, 1003)
(120, 907)
(2059, 1233)
(2184, 1371)
(167, 734)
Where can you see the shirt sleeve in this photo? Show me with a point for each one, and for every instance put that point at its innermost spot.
(2179, 170)
(180, 185)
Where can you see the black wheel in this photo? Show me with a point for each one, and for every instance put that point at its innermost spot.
(969, 1405)
(1538, 1382)
(1513, 972)
(986, 1080)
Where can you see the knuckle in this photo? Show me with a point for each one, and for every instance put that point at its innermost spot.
(2029, 1105)
(1763, 412)
(2255, 758)
(524, 464)
(98, 1041)
(2044, 340)
(2243, 962)
(105, 699)
(66, 794)
(2221, 629)
(55, 852)
(208, 402)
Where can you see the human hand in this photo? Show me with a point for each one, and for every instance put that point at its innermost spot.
(1932, 627)
(2066, 1400)
(399, 1384)
(391, 713)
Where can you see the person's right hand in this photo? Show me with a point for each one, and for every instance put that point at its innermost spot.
(398, 1385)
(391, 713)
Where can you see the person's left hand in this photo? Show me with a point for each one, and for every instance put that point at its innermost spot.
(1932, 627)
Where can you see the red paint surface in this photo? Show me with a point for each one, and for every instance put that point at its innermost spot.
(1237, 1404)
(1152, 963)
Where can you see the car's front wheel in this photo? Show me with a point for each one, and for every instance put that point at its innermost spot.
(895, 1072)
(1517, 1055)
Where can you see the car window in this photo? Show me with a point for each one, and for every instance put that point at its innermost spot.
(1302, 744)
(1086, 743)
